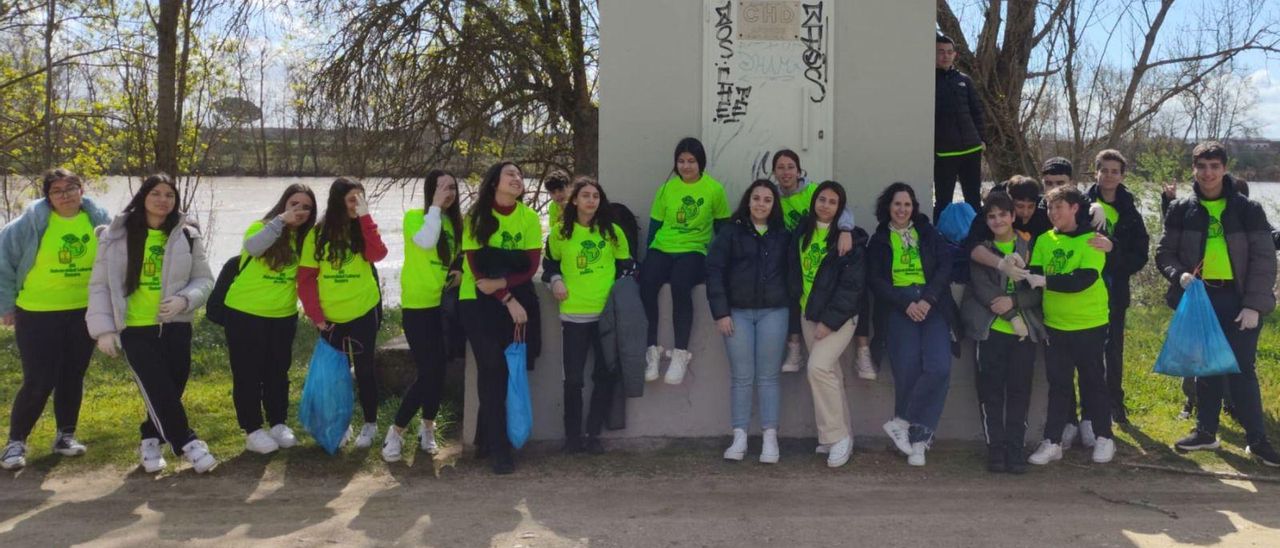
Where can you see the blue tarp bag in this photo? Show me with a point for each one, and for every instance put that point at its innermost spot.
(955, 220)
(1195, 345)
(325, 409)
(519, 407)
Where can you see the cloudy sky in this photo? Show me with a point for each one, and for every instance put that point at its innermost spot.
(1266, 79)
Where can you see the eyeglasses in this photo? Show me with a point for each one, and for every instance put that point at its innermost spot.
(65, 192)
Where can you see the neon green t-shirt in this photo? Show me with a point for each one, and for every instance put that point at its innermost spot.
(811, 258)
(688, 212)
(796, 206)
(519, 231)
(143, 305)
(555, 214)
(1113, 216)
(1217, 261)
(261, 291)
(907, 269)
(59, 277)
(347, 287)
(1059, 254)
(1001, 325)
(587, 267)
(425, 274)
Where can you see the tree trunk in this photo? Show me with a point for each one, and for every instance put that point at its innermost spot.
(47, 155)
(585, 122)
(167, 123)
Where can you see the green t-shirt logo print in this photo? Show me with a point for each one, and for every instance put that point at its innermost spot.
(338, 263)
(510, 242)
(814, 255)
(590, 253)
(910, 255)
(1215, 227)
(688, 209)
(153, 262)
(72, 248)
(1058, 264)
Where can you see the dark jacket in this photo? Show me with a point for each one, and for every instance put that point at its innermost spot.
(935, 257)
(957, 113)
(1249, 245)
(1132, 245)
(748, 270)
(622, 335)
(985, 284)
(837, 290)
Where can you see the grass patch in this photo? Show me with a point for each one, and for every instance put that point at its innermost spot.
(112, 408)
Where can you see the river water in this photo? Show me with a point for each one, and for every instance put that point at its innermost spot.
(225, 206)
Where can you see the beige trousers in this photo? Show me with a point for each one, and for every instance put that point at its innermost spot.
(826, 380)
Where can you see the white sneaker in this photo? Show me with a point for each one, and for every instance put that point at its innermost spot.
(367, 433)
(822, 449)
(151, 455)
(1087, 439)
(197, 453)
(1046, 453)
(67, 445)
(795, 357)
(283, 435)
(427, 437)
(346, 438)
(392, 443)
(897, 431)
(917, 453)
(261, 442)
(679, 365)
(14, 456)
(840, 452)
(652, 359)
(738, 448)
(1069, 434)
(769, 453)
(1104, 449)
(866, 368)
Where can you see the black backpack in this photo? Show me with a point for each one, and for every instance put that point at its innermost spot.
(215, 309)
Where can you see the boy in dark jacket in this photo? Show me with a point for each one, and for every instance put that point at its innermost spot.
(958, 132)
(1225, 239)
(1129, 232)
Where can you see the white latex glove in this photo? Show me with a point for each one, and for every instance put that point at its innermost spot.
(1036, 281)
(362, 205)
(1186, 278)
(1020, 327)
(1248, 319)
(1098, 216)
(1014, 267)
(108, 344)
(172, 306)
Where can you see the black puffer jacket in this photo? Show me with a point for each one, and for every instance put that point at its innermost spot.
(1132, 245)
(746, 269)
(935, 257)
(958, 122)
(838, 286)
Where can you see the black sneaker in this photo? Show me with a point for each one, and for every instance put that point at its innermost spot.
(593, 446)
(996, 461)
(502, 463)
(1264, 452)
(1197, 441)
(571, 446)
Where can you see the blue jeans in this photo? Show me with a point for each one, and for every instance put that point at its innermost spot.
(756, 349)
(920, 355)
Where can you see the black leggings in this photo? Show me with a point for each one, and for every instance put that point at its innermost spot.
(968, 168)
(580, 338)
(683, 271)
(490, 330)
(55, 348)
(359, 338)
(261, 351)
(424, 329)
(160, 357)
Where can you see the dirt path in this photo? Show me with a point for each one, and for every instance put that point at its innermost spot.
(664, 498)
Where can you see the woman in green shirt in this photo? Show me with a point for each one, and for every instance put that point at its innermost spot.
(433, 243)
(686, 210)
(262, 319)
(582, 259)
(46, 256)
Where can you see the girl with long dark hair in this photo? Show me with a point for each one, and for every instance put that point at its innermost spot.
(149, 278)
(433, 243)
(502, 244)
(688, 208)
(583, 257)
(262, 318)
(339, 289)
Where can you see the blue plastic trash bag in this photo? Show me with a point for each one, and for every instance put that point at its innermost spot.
(519, 408)
(1195, 345)
(325, 409)
(955, 221)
